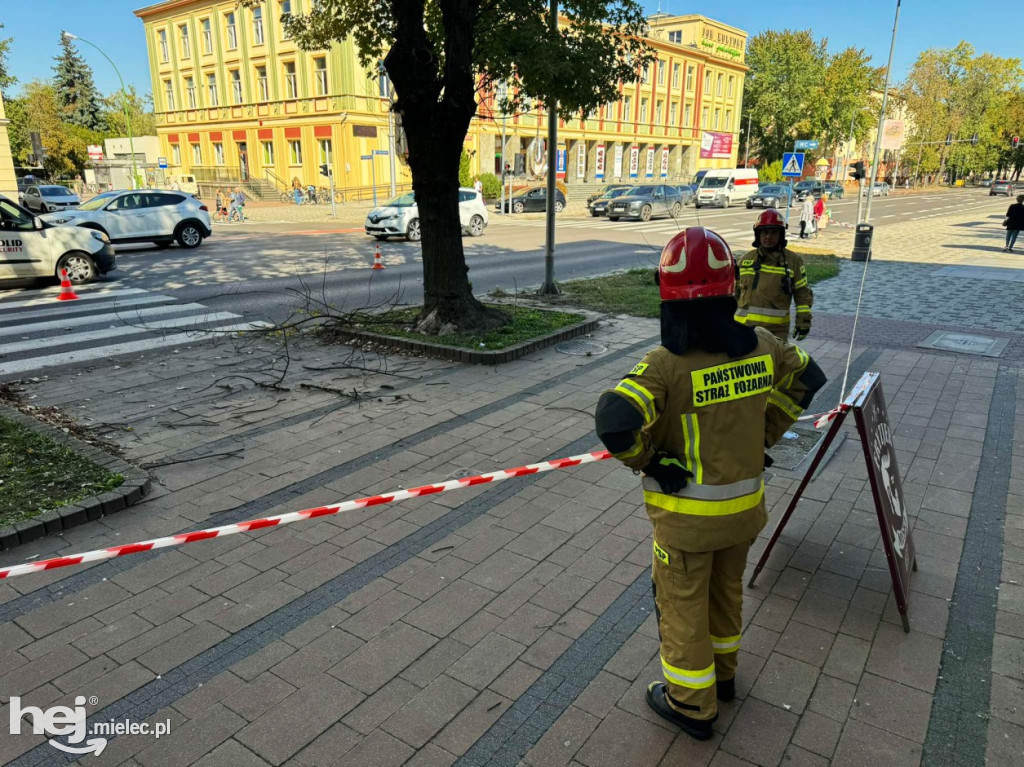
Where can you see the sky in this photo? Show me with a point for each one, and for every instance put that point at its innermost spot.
(989, 25)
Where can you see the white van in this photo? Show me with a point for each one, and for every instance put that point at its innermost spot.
(727, 186)
(31, 247)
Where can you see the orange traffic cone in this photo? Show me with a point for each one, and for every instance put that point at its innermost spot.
(377, 263)
(66, 293)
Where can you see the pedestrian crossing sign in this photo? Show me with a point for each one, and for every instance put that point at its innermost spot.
(793, 164)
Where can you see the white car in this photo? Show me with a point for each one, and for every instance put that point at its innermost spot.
(142, 215)
(400, 217)
(48, 198)
(31, 247)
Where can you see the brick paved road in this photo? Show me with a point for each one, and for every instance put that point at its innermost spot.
(513, 624)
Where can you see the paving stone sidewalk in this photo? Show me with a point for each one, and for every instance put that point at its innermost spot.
(511, 624)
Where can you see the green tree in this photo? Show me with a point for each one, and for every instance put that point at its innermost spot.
(848, 86)
(140, 110)
(771, 173)
(38, 110)
(440, 56)
(6, 78)
(787, 71)
(77, 97)
(465, 170)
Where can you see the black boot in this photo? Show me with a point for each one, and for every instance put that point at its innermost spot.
(657, 698)
(725, 689)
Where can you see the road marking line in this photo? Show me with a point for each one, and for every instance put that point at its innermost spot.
(131, 347)
(118, 331)
(96, 319)
(5, 305)
(70, 308)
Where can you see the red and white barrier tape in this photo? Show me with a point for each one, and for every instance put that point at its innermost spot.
(296, 516)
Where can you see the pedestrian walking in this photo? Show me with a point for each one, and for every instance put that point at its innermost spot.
(297, 190)
(819, 212)
(1014, 223)
(771, 278)
(807, 217)
(311, 194)
(694, 417)
(238, 204)
(222, 206)
(479, 186)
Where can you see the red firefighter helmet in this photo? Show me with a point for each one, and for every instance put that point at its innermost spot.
(696, 263)
(769, 217)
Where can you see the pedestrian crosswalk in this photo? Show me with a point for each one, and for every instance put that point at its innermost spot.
(39, 332)
(657, 226)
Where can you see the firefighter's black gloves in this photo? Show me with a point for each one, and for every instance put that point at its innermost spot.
(801, 333)
(668, 471)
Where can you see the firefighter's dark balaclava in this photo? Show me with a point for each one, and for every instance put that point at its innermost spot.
(707, 324)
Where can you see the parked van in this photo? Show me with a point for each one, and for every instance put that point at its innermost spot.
(727, 186)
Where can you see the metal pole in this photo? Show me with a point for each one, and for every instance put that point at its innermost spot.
(502, 164)
(881, 118)
(373, 176)
(391, 149)
(860, 197)
(746, 155)
(124, 99)
(549, 288)
(334, 203)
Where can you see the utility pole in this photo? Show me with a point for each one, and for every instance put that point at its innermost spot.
(881, 118)
(549, 288)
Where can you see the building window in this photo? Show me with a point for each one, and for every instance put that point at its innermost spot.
(169, 95)
(291, 86)
(257, 25)
(662, 67)
(676, 69)
(268, 153)
(728, 119)
(197, 154)
(609, 110)
(229, 24)
(627, 109)
(186, 52)
(384, 84)
(190, 92)
(673, 113)
(718, 113)
(643, 110)
(211, 90)
(236, 85)
(286, 12)
(320, 73)
(704, 117)
(659, 110)
(324, 145)
(295, 152)
(689, 78)
(164, 54)
(676, 36)
(707, 83)
(175, 154)
(732, 85)
(688, 115)
(646, 76)
(207, 37)
(718, 86)
(218, 154)
(261, 83)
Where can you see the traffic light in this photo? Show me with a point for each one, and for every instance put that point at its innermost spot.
(974, 140)
(858, 171)
(324, 170)
(1015, 142)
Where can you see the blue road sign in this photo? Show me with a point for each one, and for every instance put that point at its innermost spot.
(161, 162)
(793, 164)
(806, 143)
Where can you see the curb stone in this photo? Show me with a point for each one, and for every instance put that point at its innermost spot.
(135, 487)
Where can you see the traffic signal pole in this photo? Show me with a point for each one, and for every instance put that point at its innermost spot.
(881, 118)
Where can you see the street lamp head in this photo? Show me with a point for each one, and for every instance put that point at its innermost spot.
(69, 36)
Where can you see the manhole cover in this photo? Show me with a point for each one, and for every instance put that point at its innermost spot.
(580, 347)
(965, 343)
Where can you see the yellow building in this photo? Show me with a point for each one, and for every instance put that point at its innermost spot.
(236, 99)
(8, 184)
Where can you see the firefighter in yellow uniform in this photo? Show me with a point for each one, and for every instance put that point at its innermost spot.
(695, 417)
(771, 277)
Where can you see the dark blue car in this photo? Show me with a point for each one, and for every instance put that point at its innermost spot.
(771, 196)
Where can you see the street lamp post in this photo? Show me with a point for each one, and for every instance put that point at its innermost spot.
(549, 288)
(124, 98)
(881, 117)
(746, 155)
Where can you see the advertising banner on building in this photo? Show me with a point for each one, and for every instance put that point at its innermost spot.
(581, 159)
(664, 162)
(599, 162)
(634, 161)
(617, 162)
(560, 163)
(650, 162)
(715, 145)
(893, 132)
(95, 151)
